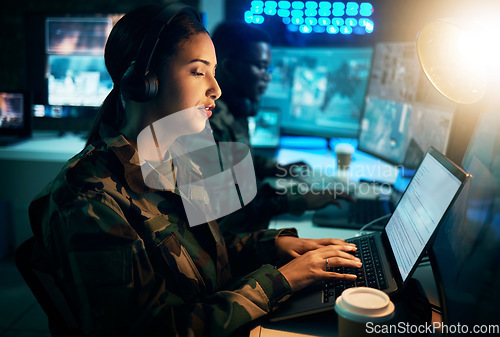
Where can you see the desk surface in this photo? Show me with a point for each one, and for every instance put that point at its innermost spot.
(47, 147)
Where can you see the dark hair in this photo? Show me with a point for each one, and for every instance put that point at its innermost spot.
(121, 50)
(233, 38)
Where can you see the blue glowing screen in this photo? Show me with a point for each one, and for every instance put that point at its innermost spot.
(343, 18)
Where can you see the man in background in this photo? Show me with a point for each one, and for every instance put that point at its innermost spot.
(243, 73)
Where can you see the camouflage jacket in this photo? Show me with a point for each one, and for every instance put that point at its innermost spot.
(131, 264)
(268, 202)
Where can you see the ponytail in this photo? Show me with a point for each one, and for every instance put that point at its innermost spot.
(111, 112)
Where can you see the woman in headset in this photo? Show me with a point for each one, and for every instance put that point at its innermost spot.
(124, 253)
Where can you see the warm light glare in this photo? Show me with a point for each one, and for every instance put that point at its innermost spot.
(486, 52)
(475, 50)
(453, 58)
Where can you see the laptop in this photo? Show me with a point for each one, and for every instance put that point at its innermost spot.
(15, 117)
(392, 255)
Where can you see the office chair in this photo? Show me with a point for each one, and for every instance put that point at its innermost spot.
(62, 321)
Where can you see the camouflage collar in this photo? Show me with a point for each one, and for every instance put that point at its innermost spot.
(129, 158)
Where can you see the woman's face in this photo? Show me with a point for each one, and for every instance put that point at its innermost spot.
(187, 87)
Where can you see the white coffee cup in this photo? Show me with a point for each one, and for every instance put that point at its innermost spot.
(358, 306)
(344, 151)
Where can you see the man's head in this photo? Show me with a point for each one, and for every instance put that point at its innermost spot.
(243, 56)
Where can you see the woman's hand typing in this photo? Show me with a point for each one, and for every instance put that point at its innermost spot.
(310, 260)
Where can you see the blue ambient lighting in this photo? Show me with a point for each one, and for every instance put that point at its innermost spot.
(284, 4)
(270, 11)
(305, 29)
(331, 17)
(352, 9)
(324, 21)
(283, 13)
(297, 12)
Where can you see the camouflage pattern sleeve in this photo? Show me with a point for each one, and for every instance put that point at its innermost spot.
(249, 251)
(131, 270)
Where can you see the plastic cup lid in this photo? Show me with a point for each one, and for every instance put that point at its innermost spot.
(344, 148)
(364, 304)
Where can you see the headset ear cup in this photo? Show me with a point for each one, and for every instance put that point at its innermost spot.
(139, 83)
(151, 85)
(138, 87)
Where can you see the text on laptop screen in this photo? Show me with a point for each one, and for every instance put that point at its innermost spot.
(419, 212)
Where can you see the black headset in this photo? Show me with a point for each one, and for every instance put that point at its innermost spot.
(139, 83)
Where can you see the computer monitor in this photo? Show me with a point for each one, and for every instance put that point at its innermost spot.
(65, 67)
(15, 116)
(403, 115)
(319, 91)
(77, 75)
(264, 128)
(466, 253)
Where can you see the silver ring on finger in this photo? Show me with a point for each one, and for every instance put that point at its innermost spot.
(327, 263)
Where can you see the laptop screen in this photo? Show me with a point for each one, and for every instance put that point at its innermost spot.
(419, 212)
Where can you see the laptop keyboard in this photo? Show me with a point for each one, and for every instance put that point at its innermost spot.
(369, 275)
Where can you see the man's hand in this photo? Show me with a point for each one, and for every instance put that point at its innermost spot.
(320, 199)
